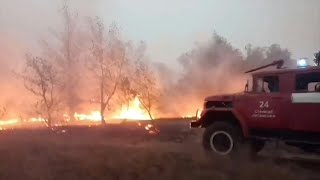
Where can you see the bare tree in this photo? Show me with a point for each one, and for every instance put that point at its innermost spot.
(40, 78)
(109, 58)
(146, 87)
(139, 81)
(70, 59)
(125, 93)
(65, 51)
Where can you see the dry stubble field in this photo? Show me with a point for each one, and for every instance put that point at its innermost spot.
(128, 152)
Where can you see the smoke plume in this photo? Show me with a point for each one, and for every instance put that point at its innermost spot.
(210, 68)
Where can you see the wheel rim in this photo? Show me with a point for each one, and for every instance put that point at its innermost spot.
(221, 142)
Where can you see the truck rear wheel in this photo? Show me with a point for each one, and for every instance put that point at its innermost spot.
(222, 138)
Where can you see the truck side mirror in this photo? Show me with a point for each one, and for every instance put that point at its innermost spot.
(246, 88)
(317, 87)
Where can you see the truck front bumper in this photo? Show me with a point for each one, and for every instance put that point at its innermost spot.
(195, 124)
(198, 121)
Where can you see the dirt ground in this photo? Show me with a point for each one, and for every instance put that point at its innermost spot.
(128, 151)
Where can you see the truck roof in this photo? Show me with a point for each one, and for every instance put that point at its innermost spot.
(288, 70)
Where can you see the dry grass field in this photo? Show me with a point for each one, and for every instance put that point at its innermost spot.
(128, 152)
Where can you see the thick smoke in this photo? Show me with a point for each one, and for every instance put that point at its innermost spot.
(212, 68)
(21, 29)
(13, 97)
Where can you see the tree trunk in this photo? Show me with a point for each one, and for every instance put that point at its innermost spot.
(102, 104)
(103, 122)
(149, 113)
(71, 96)
(49, 122)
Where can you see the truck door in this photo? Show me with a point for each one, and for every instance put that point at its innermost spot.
(306, 102)
(266, 104)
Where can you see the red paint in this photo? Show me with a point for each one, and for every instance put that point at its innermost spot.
(273, 110)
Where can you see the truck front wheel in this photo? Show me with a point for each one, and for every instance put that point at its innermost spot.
(222, 138)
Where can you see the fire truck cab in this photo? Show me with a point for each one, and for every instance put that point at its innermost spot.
(282, 104)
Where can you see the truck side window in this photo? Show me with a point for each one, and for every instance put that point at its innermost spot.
(306, 82)
(268, 84)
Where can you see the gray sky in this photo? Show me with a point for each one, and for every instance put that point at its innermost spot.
(171, 27)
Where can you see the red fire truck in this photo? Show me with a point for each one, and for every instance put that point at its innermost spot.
(281, 104)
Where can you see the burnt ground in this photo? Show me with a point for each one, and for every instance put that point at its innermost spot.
(128, 151)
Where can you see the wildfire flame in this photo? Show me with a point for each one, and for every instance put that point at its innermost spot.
(133, 112)
(9, 122)
(93, 116)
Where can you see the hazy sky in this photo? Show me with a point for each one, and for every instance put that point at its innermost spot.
(171, 27)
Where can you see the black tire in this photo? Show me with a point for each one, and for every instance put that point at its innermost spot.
(222, 138)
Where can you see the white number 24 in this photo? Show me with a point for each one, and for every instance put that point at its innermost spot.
(264, 104)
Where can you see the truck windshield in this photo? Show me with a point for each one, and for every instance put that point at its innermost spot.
(268, 84)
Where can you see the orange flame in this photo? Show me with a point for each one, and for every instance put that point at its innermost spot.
(9, 122)
(133, 111)
(93, 116)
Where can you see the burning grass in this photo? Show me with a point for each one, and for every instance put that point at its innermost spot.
(134, 111)
(125, 152)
